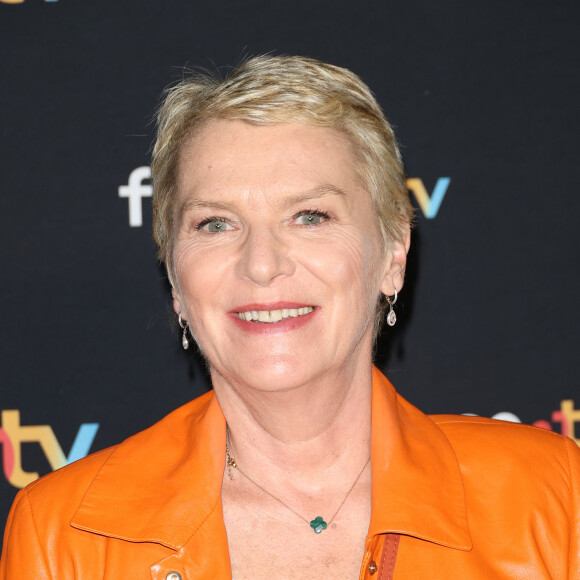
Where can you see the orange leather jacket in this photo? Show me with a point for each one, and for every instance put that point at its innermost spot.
(460, 497)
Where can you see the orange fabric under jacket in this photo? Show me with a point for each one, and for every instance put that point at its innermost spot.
(472, 498)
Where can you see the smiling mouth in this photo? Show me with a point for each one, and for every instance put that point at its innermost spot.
(273, 316)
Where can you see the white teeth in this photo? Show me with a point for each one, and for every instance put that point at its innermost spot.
(270, 316)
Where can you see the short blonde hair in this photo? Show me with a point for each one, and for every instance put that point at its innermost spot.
(266, 90)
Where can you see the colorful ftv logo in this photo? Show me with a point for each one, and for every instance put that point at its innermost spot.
(139, 187)
(13, 434)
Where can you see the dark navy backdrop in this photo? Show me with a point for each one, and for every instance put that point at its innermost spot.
(485, 94)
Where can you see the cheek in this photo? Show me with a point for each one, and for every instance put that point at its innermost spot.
(197, 291)
(353, 266)
(196, 279)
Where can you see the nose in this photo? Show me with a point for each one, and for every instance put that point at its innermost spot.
(264, 257)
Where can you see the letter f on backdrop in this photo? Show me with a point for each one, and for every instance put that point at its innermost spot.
(429, 205)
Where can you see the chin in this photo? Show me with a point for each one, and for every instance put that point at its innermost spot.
(271, 374)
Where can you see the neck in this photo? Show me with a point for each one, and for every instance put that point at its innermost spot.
(306, 432)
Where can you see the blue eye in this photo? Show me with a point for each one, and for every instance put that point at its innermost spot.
(311, 218)
(214, 225)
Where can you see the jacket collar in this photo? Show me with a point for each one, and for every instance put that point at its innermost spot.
(163, 485)
(417, 488)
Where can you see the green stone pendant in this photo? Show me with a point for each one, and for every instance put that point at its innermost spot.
(318, 524)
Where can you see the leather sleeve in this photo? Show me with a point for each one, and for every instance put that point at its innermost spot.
(22, 556)
(574, 460)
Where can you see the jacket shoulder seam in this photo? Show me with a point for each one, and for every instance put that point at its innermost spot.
(497, 423)
(56, 472)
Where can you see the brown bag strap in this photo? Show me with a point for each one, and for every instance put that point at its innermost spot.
(389, 557)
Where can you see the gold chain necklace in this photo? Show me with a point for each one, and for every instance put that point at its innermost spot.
(317, 524)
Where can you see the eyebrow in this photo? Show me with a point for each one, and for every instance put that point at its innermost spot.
(316, 193)
(286, 203)
(197, 203)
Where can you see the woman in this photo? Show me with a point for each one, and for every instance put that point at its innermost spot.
(282, 217)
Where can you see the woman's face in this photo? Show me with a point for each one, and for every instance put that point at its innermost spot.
(278, 256)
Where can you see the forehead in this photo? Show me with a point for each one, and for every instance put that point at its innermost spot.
(239, 157)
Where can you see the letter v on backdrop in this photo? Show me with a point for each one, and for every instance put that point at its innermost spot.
(429, 204)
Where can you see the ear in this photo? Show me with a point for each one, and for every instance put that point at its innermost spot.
(394, 275)
(177, 306)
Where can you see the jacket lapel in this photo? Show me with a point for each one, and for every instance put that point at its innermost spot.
(163, 485)
(417, 487)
